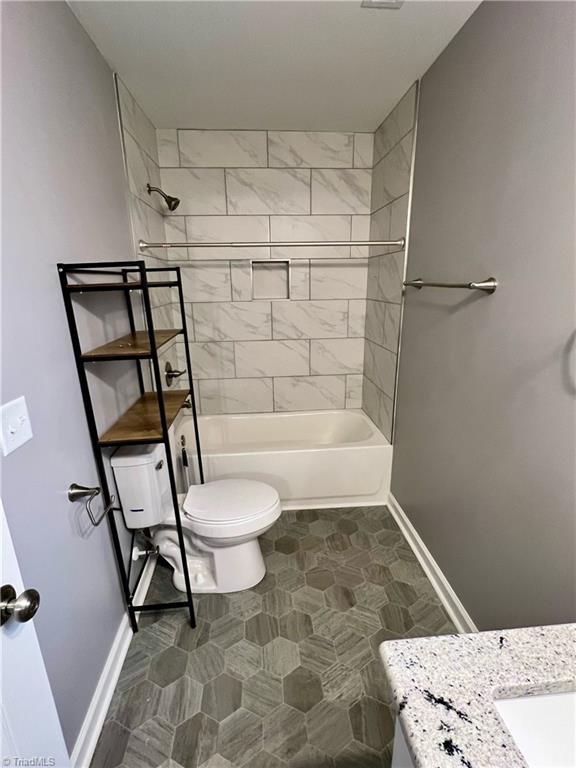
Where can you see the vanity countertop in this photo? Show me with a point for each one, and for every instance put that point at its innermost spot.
(444, 690)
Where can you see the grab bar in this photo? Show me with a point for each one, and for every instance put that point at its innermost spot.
(488, 286)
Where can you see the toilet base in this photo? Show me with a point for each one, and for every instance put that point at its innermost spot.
(220, 570)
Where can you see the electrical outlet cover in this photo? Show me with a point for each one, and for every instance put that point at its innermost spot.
(16, 427)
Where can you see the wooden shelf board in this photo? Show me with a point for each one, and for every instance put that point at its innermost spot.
(132, 345)
(141, 422)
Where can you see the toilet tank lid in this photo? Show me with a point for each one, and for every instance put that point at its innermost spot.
(221, 501)
(137, 455)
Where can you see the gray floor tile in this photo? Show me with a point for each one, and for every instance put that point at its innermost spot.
(205, 663)
(262, 693)
(372, 723)
(195, 741)
(284, 732)
(138, 704)
(295, 626)
(302, 689)
(280, 656)
(180, 700)
(243, 659)
(167, 666)
(149, 745)
(111, 745)
(329, 727)
(284, 675)
(221, 697)
(240, 737)
(262, 628)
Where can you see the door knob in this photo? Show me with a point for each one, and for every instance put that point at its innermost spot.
(22, 608)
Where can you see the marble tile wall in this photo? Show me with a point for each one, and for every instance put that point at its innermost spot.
(253, 351)
(388, 220)
(334, 342)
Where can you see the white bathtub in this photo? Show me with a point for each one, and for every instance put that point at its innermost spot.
(312, 458)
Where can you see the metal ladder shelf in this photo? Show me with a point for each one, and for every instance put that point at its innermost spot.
(149, 419)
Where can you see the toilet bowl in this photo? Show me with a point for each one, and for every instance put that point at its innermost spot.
(221, 522)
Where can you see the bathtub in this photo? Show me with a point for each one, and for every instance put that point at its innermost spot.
(312, 458)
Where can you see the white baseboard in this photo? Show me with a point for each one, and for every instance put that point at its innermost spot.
(90, 731)
(449, 599)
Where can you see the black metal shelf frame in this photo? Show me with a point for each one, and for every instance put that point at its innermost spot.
(123, 270)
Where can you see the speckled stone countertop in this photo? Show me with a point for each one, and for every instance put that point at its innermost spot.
(444, 690)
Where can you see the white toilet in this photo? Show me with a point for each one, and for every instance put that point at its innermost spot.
(221, 520)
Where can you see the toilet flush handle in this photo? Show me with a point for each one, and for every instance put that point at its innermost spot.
(171, 373)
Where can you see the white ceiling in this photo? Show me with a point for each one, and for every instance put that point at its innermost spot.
(276, 64)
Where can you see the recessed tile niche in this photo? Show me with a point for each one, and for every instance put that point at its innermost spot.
(271, 279)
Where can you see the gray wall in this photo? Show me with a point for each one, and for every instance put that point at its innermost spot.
(64, 199)
(484, 455)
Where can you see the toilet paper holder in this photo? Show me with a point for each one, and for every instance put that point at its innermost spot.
(77, 492)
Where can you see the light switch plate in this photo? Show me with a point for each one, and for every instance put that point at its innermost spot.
(16, 427)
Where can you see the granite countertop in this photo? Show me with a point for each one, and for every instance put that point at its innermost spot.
(444, 690)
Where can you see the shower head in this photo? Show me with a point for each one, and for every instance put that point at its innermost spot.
(171, 202)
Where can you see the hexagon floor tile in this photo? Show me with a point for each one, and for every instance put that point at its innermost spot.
(284, 675)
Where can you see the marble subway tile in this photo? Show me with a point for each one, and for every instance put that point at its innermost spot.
(228, 229)
(310, 319)
(391, 176)
(360, 231)
(356, 317)
(380, 367)
(338, 280)
(163, 316)
(376, 321)
(341, 191)
(148, 225)
(309, 393)
(363, 150)
(378, 406)
(213, 360)
(222, 149)
(354, 391)
(380, 230)
(141, 171)
(399, 218)
(241, 274)
(310, 229)
(200, 191)
(392, 327)
(300, 280)
(336, 356)
(175, 232)
(167, 141)
(310, 149)
(135, 121)
(206, 281)
(189, 321)
(396, 125)
(235, 395)
(268, 191)
(391, 276)
(233, 321)
(272, 358)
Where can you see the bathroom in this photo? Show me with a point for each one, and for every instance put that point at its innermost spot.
(288, 384)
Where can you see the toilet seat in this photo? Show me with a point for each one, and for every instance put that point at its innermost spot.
(228, 508)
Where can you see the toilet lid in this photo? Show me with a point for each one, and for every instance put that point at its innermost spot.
(223, 501)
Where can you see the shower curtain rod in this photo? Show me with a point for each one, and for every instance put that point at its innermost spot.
(400, 243)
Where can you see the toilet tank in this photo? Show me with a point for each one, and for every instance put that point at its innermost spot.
(143, 484)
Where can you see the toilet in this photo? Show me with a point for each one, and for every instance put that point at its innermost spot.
(221, 520)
